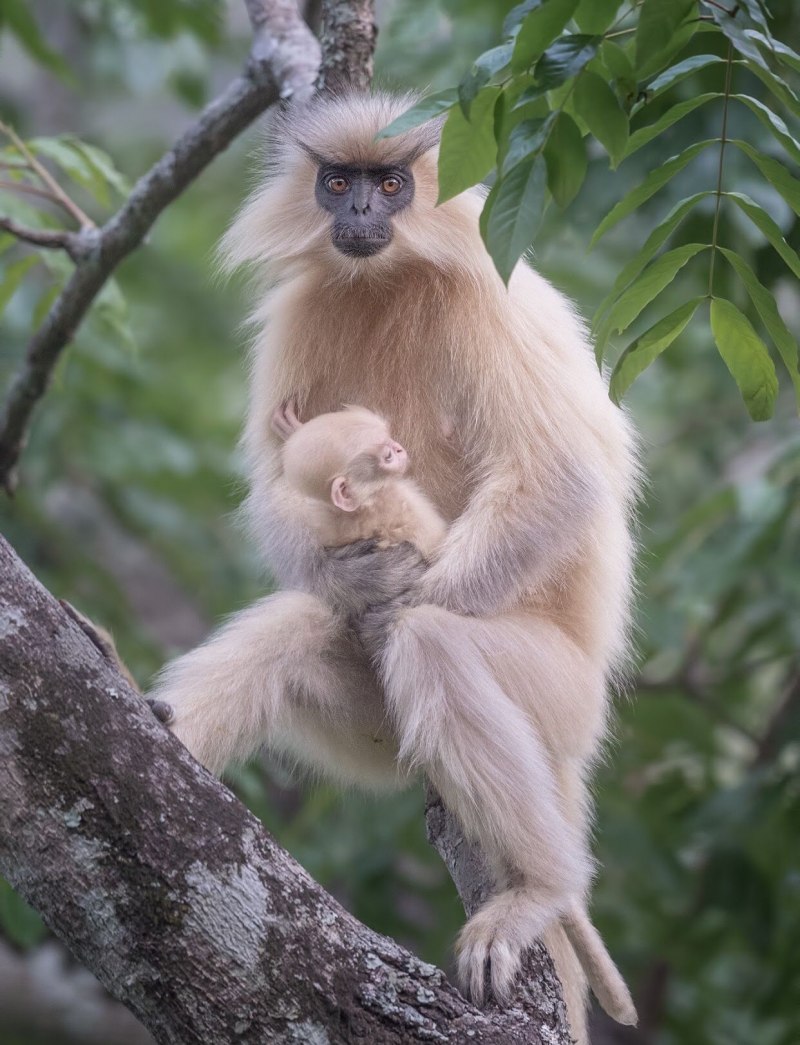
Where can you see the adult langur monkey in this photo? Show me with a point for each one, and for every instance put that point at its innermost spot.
(382, 299)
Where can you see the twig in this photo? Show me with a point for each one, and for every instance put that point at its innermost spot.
(47, 179)
(29, 190)
(722, 144)
(283, 62)
(58, 239)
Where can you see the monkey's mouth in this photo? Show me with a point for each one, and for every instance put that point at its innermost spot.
(359, 242)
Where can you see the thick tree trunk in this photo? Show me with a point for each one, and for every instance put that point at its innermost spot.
(170, 891)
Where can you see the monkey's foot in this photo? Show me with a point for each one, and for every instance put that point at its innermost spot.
(161, 709)
(498, 936)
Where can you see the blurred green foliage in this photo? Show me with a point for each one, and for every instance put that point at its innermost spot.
(129, 487)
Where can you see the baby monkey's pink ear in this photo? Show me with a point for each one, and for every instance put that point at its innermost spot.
(342, 494)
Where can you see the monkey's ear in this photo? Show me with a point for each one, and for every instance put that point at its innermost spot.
(342, 495)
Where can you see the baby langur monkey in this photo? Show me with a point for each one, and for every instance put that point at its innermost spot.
(354, 476)
(350, 478)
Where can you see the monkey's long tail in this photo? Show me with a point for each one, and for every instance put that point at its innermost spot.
(601, 972)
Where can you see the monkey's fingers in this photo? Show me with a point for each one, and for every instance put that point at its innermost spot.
(162, 711)
(290, 413)
(284, 420)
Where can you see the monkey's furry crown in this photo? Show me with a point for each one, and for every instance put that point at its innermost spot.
(343, 129)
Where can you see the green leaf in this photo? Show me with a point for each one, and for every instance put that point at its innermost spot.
(426, 109)
(616, 60)
(654, 181)
(468, 149)
(734, 27)
(595, 16)
(597, 105)
(541, 26)
(782, 51)
(643, 135)
(678, 72)
(19, 922)
(103, 166)
(641, 353)
(777, 87)
(42, 306)
(769, 227)
(483, 70)
(565, 154)
(775, 173)
(659, 21)
(770, 316)
(11, 277)
(648, 286)
(112, 309)
(654, 242)
(746, 357)
(773, 123)
(516, 16)
(563, 60)
(18, 17)
(512, 214)
(71, 162)
(526, 139)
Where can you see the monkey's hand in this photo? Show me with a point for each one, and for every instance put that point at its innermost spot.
(374, 623)
(361, 575)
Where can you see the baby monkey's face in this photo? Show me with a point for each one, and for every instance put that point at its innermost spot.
(392, 458)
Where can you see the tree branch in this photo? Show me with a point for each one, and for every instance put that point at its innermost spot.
(348, 37)
(57, 239)
(169, 890)
(283, 62)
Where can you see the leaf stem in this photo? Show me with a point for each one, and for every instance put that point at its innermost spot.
(47, 179)
(722, 143)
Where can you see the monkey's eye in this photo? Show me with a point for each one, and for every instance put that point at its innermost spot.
(336, 183)
(391, 185)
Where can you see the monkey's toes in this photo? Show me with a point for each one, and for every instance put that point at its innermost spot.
(484, 948)
(162, 711)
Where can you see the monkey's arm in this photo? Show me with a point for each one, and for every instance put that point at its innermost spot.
(350, 578)
(362, 575)
(514, 534)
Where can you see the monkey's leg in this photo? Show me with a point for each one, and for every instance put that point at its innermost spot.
(283, 673)
(493, 770)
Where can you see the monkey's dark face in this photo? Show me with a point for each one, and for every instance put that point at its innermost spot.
(363, 201)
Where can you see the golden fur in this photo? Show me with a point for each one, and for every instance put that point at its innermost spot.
(497, 685)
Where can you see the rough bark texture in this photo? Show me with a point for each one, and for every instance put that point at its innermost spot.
(169, 890)
(348, 39)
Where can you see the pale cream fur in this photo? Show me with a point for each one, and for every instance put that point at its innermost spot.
(497, 686)
(387, 506)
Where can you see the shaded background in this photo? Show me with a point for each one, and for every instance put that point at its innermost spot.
(127, 502)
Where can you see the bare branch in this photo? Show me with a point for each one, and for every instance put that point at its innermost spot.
(57, 239)
(283, 62)
(29, 190)
(169, 890)
(46, 178)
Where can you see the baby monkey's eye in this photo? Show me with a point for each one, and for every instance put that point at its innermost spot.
(391, 185)
(336, 183)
